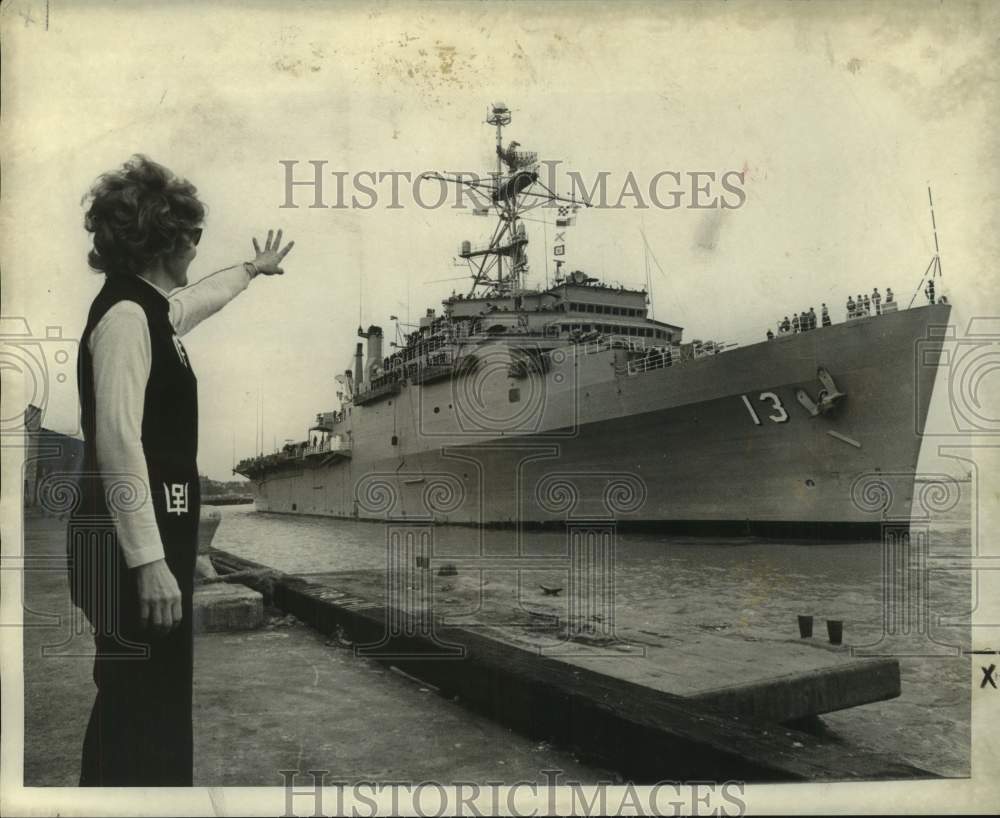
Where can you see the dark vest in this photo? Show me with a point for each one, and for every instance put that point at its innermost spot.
(169, 430)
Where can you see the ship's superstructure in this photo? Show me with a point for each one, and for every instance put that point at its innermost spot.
(518, 406)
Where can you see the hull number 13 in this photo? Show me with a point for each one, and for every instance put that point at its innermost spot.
(777, 411)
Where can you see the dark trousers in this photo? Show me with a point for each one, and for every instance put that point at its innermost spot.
(140, 730)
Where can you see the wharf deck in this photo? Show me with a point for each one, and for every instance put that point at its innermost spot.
(670, 707)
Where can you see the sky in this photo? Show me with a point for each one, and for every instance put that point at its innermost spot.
(840, 115)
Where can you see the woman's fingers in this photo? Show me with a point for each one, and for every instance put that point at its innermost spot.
(272, 254)
(158, 623)
(144, 614)
(176, 612)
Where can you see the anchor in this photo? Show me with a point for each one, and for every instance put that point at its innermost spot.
(829, 395)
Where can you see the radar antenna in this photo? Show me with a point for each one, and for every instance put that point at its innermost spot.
(500, 267)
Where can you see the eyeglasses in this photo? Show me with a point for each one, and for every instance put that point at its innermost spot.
(195, 234)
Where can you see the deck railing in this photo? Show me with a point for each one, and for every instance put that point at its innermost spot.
(650, 362)
(376, 393)
(334, 445)
(659, 358)
(606, 342)
(327, 446)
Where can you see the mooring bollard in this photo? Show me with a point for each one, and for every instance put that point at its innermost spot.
(835, 630)
(805, 626)
(207, 525)
(219, 604)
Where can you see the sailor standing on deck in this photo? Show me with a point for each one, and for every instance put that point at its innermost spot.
(877, 301)
(133, 538)
(825, 315)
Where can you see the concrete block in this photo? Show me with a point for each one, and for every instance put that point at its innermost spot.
(223, 607)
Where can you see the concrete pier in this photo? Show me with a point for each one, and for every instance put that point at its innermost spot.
(281, 697)
(287, 696)
(777, 681)
(649, 724)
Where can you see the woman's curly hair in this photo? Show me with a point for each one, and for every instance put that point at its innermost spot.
(137, 214)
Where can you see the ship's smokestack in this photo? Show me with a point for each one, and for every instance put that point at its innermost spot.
(374, 352)
(358, 368)
(349, 380)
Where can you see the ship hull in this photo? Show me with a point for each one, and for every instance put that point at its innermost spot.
(717, 445)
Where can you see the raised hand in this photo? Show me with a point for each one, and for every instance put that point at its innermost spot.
(268, 260)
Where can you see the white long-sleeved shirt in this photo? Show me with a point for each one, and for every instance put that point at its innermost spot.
(121, 353)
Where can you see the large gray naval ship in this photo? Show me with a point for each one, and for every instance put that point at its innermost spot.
(520, 406)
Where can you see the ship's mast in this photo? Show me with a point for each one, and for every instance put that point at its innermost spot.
(510, 241)
(499, 269)
(499, 116)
